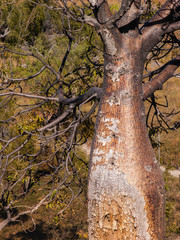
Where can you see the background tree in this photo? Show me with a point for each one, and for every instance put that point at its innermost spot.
(40, 144)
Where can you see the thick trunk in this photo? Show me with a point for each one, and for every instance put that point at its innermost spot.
(126, 191)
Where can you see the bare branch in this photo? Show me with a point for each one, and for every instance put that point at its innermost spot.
(91, 21)
(131, 15)
(14, 219)
(101, 11)
(156, 83)
(62, 117)
(67, 52)
(73, 103)
(93, 92)
(177, 124)
(35, 56)
(125, 7)
(27, 78)
(29, 96)
(173, 27)
(6, 32)
(167, 19)
(159, 70)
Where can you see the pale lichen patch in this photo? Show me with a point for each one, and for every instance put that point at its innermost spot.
(127, 209)
(115, 77)
(114, 100)
(115, 72)
(112, 156)
(112, 153)
(112, 124)
(104, 139)
(155, 160)
(148, 168)
(98, 151)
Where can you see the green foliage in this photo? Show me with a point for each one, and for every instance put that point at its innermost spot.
(169, 211)
(114, 8)
(24, 20)
(30, 122)
(5, 8)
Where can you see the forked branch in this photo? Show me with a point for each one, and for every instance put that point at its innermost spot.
(93, 93)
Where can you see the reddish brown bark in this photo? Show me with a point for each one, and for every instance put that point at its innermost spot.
(126, 191)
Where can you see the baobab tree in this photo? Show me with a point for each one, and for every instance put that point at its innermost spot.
(125, 184)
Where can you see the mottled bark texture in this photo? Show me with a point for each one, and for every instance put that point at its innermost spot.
(126, 189)
(126, 192)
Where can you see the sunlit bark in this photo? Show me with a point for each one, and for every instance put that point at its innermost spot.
(126, 191)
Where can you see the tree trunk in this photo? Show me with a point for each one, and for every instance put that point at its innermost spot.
(126, 190)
